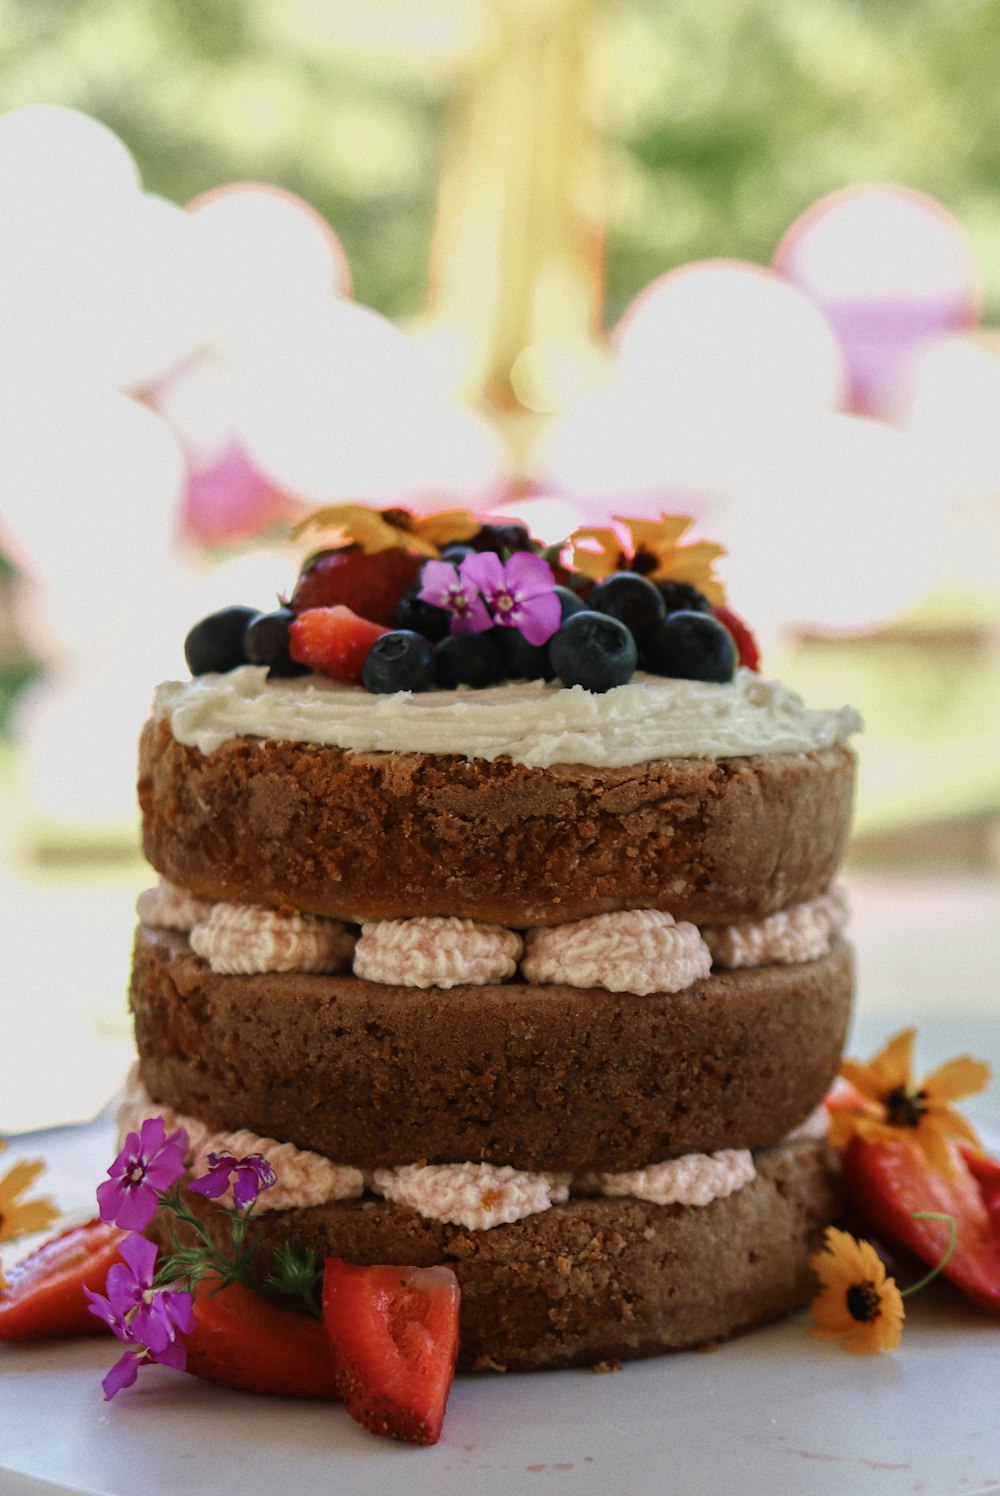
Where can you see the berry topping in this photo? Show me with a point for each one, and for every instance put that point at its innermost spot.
(266, 643)
(630, 598)
(467, 660)
(333, 641)
(594, 651)
(420, 617)
(216, 642)
(457, 552)
(502, 539)
(570, 602)
(393, 1336)
(399, 661)
(746, 644)
(690, 646)
(369, 583)
(682, 597)
(521, 660)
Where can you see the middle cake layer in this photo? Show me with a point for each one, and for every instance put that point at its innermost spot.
(542, 1078)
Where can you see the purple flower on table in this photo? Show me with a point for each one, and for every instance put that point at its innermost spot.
(249, 1176)
(149, 1163)
(520, 593)
(147, 1320)
(442, 585)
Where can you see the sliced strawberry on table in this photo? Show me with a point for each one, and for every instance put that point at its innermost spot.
(986, 1172)
(370, 584)
(393, 1335)
(243, 1340)
(888, 1183)
(747, 648)
(333, 641)
(44, 1293)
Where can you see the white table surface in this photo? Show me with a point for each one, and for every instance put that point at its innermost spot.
(775, 1412)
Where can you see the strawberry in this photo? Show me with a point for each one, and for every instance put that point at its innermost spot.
(393, 1334)
(986, 1172)
(369, 584)
(333, 641)
(44, 1293)
(243, 1340)
(887, 1183)
(746, 644)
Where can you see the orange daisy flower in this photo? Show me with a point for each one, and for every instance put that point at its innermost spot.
(654, 551)
(857, 1303)
(18, 1217)
(895, 1108)
(380, 529)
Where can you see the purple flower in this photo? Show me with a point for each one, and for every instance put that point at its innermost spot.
(520, 594)
(447, 588)
(252, 1174)
(149, 1163)
(147, 1320)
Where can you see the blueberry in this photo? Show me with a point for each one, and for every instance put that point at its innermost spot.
(501, 539)
(521, 660)
(421, 618)
(265, 642)
(570, 602)
(683, 597)
(399, 661)
(631, 599)
(690, 646)
(216, 642)
(593, 650)
(467, 660)
(457, 551)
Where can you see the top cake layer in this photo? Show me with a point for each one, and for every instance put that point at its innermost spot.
(524, 804)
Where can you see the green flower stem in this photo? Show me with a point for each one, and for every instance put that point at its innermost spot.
(190, 1264)
(952, 1224)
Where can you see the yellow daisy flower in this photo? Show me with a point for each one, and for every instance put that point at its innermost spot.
(654, 551)
(379, 529)
(857, 1303)
(894, 1107)
(18, 1217)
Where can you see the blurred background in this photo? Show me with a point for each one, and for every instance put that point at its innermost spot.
(551, 259)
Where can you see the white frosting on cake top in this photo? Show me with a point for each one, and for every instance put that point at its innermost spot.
(534, 723)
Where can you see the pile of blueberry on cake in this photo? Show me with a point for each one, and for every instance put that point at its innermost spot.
(497, 911)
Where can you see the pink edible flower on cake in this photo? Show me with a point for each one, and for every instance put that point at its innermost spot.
(149, 1163)
(146, 1319)
(248, 1176)
(444, 586)
(520, 593)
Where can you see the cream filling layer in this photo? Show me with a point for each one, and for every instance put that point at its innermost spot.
(476, 1196)
(634, 950)
(535, 723)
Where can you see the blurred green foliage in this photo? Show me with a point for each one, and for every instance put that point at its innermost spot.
(724, 120)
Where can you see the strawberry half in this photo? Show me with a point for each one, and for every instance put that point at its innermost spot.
(746, 645)
(243, 1340)
(369, 584)
(886, 1183)
(333, 641)
(393, 1335)
(986, 1172)
(44, 1293)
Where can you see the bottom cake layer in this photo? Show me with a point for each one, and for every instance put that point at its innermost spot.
(596, 1280)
